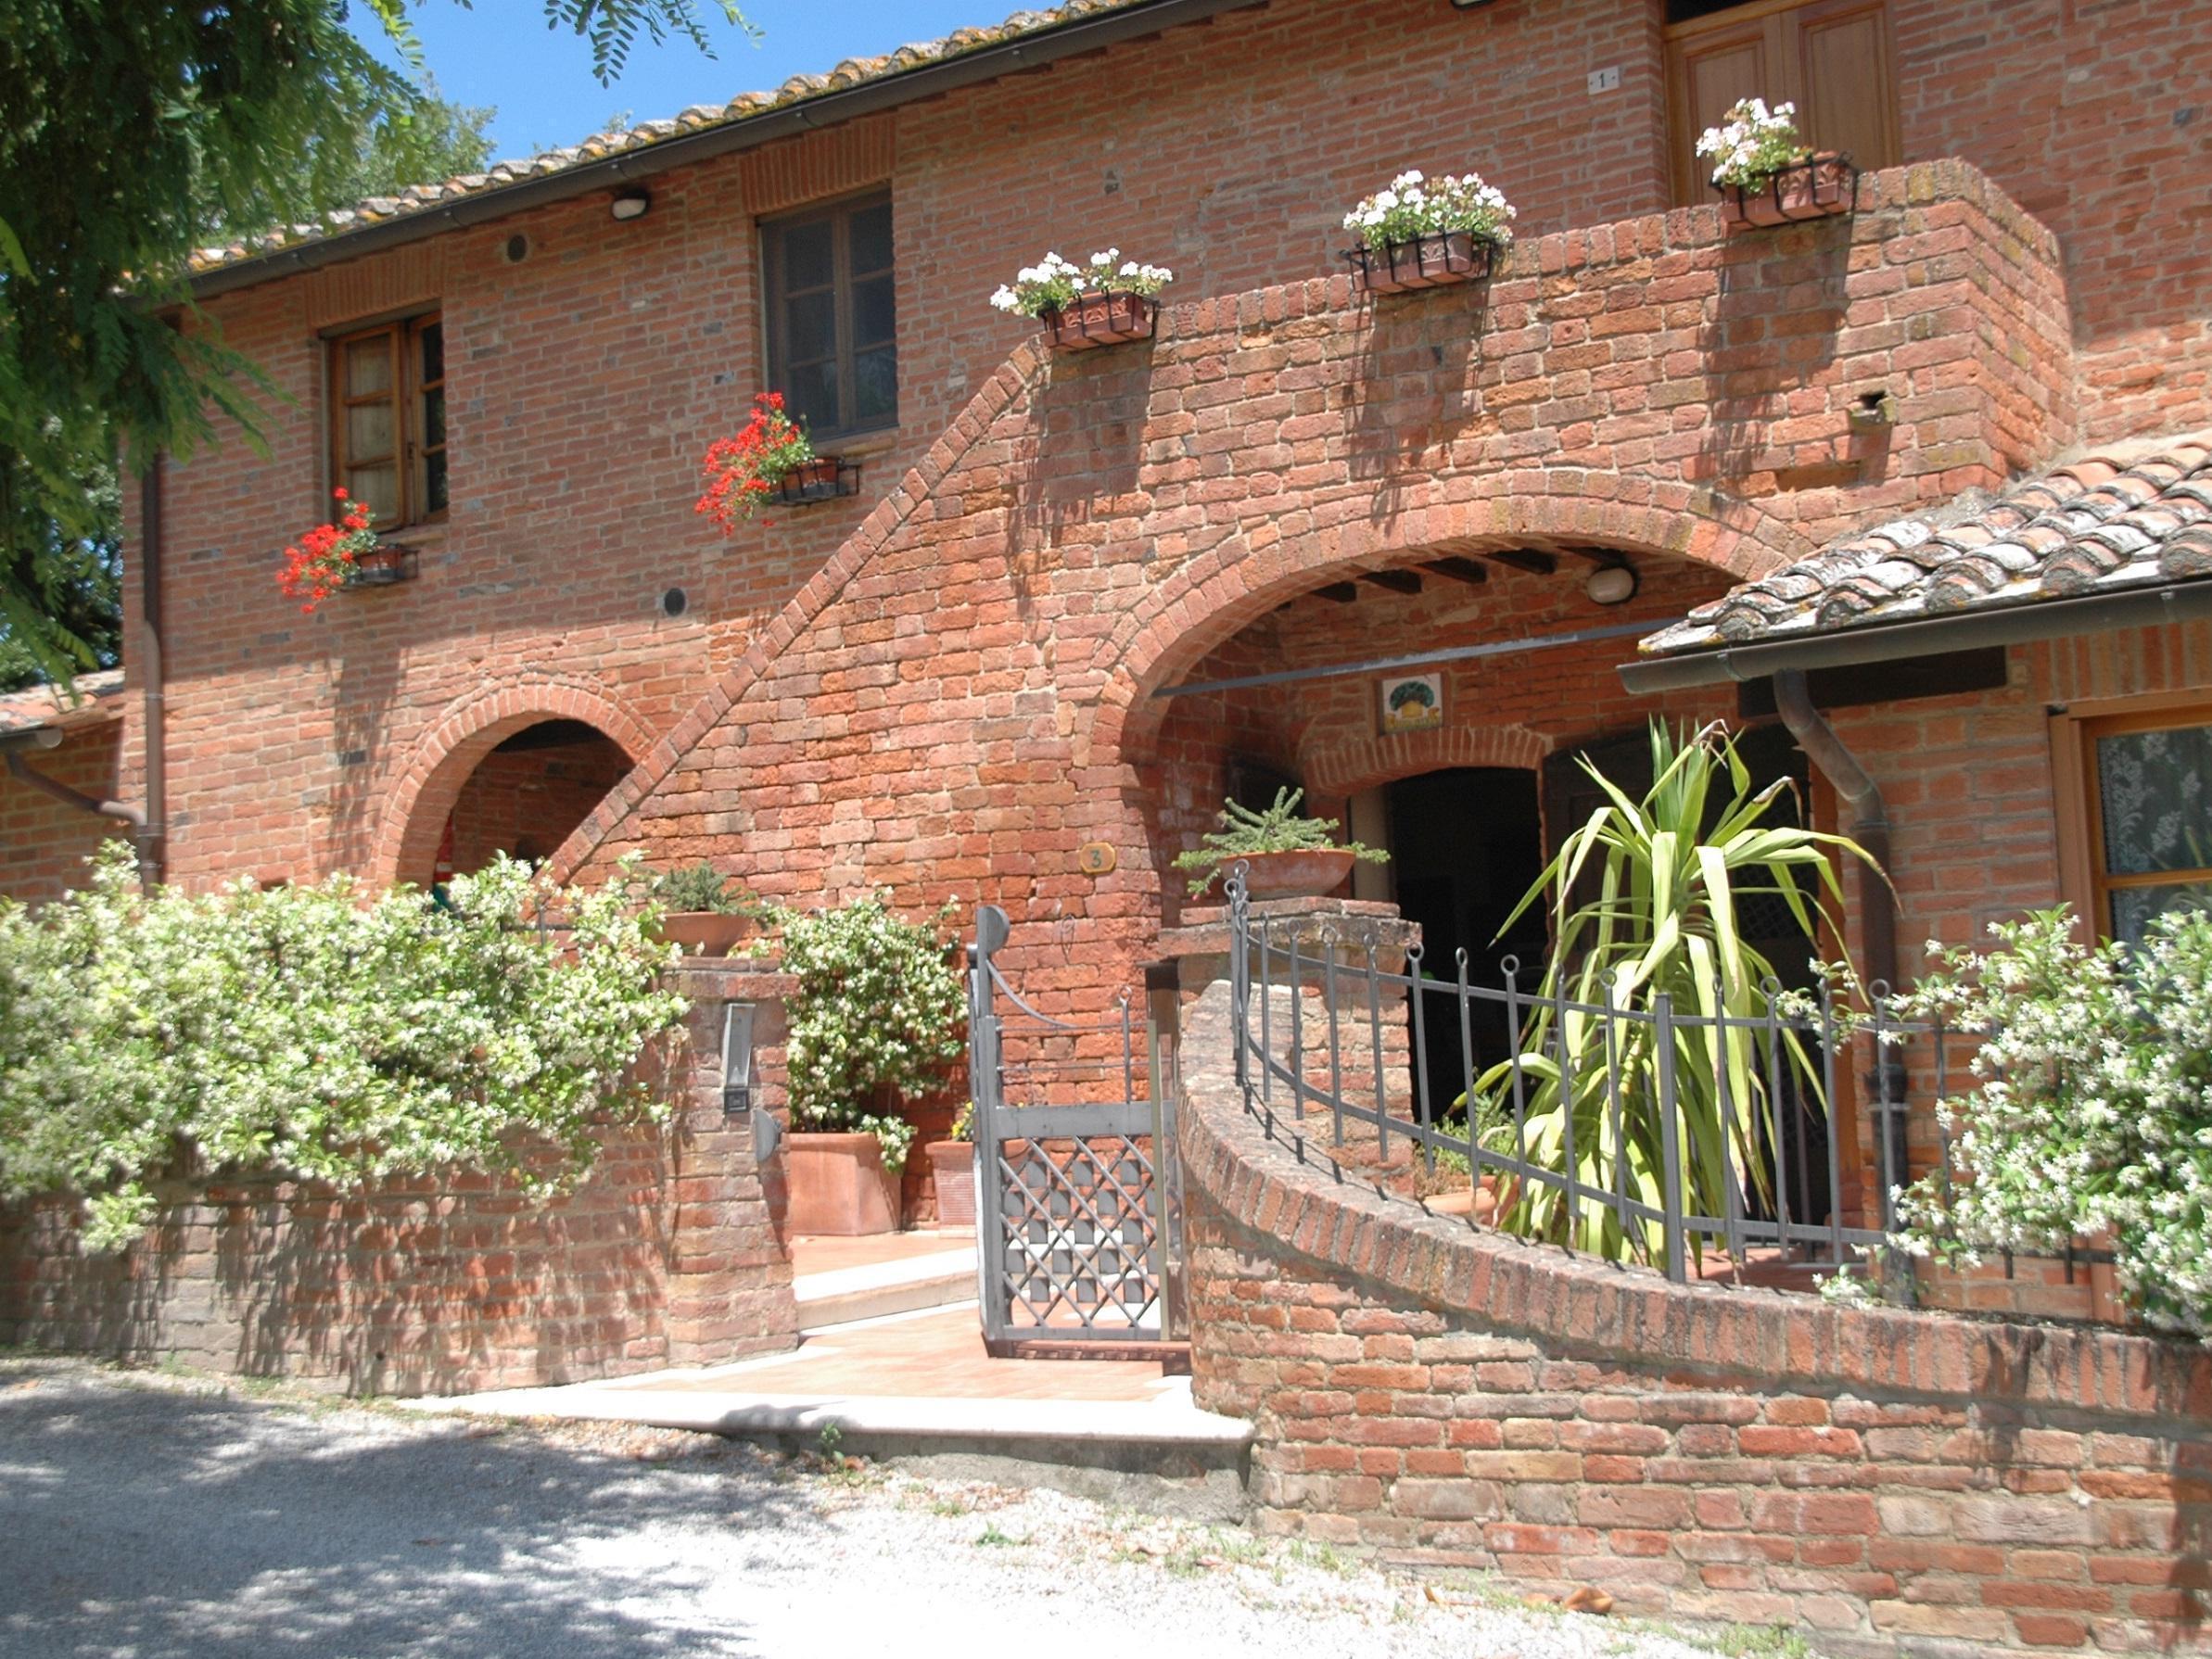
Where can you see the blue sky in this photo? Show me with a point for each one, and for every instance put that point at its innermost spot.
(500, 52)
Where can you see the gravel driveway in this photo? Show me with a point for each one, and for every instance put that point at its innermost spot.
(152, 1518)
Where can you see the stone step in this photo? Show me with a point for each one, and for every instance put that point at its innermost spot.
(874, 1289)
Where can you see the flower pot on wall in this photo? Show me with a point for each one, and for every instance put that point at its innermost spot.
(1814, 188)
(952, 1165)
(823, 478)
(1421, 262)
(838, 1185)
(705, 932)
(1306, 873)
(1090, 320)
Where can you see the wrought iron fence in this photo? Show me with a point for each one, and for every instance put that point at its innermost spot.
(1331, 1032)
(1075, 1129)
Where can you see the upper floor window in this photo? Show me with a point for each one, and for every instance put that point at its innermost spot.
(1832, 58)
(833, 322)
(388, 419)
(2150, 816)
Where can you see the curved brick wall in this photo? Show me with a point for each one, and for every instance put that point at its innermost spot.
(1452, 1396)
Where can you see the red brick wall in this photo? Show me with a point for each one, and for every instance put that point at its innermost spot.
(43, 843)
(447, 1282)
(958, 702)
(1880, 1479)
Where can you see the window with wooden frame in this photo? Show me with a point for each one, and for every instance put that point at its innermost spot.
(388, 419)
(832, 320)
(1832, 58)
(2136, 813)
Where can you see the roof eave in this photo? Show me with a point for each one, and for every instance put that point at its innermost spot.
(869, 97)
(2013, 625)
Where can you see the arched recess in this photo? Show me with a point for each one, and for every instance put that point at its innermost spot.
(1347, 767)
(1218, 593)
(443, 762)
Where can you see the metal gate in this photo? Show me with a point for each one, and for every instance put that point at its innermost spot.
(1079, 1222)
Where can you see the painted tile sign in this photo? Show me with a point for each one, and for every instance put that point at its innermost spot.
(1412, 703)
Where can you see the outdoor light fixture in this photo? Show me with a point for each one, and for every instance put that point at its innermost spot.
(1611, 584)
(631, 203)
(737, 1081)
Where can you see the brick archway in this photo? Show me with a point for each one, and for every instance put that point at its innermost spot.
(1346, 766)
(1216, 594)
(431, 780)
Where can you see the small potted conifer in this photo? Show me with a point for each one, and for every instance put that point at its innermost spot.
(1284, 856)
(705, 912)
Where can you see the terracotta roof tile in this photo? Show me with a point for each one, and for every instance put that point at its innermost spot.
(853, 72)
(2128, 516)
(98, 700)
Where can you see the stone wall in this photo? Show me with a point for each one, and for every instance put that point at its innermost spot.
(1887, 1481)
(666, 1255)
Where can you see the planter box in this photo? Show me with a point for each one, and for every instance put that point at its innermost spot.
(838, 1185)
(1091, 320)
(822, 480)
(383, 567)
(1814, 188)
(1307, 874)
(705, 932)
(1422, 262)
(953, 1165)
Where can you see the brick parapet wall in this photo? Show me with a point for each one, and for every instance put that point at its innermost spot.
(1889, 1481)
(451, 1281)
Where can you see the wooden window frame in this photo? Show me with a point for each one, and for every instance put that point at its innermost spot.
(2078, 800)
(411, 456)
(775, 326)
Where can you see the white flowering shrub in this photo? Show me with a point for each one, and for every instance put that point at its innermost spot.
(318, 1032)
(879, 1013)
(1753, 144)
(1414, 206)
(1052, 282)
(2092, 1107)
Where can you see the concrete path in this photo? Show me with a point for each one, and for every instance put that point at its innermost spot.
(143, 1519)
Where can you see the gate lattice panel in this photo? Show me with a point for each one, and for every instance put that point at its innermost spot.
(1079, 1223)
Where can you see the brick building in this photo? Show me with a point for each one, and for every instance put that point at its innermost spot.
(1024, 635)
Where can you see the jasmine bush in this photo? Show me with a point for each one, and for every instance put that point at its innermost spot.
(2091, 1107)
(878, 1012)
(317, 1032)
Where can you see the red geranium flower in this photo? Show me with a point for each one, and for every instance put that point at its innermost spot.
(323, 560)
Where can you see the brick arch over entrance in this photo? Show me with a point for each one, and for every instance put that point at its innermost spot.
(432, 778)
(1216, 594)
(1346, 767)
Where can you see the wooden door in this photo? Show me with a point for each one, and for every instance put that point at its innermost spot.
(1829, 57)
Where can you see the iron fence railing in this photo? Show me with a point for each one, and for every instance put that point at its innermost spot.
(1329, 1031)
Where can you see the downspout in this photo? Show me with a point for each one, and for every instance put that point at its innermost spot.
(153, 824)
(1869, 826)
(12, 747)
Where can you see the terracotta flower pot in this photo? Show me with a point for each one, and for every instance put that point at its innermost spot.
(1422, 262)
(705, 932)
(952, 1164)
(1307, 873)
(1090, 320)
(838, 1185)
(817, 480)
(1816, 187)
(382, 565)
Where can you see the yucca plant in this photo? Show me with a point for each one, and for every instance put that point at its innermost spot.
(1663, 923)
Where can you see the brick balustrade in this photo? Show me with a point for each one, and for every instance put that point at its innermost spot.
(1890, 1480)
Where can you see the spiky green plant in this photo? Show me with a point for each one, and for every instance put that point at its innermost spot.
(1664, 923)
(1275, 829)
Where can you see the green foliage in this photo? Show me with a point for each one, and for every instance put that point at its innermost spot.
(702, 888)
(316, 1032)
(879, 1013)
(2091, 1109)
(1275, 828)
(1662, 923)
(136, 131)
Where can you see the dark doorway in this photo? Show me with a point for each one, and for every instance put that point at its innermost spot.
(1465, 845)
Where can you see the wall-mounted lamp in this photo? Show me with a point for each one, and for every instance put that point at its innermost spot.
(737, 1081)
(631, 202)
(1611, 584)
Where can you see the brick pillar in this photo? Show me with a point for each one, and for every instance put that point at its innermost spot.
(729, 1275)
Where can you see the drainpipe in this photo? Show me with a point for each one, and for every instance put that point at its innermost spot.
(14, 743)
(1870, 827)
(153, 824)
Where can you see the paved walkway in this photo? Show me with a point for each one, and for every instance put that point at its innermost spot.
(141, 1521)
